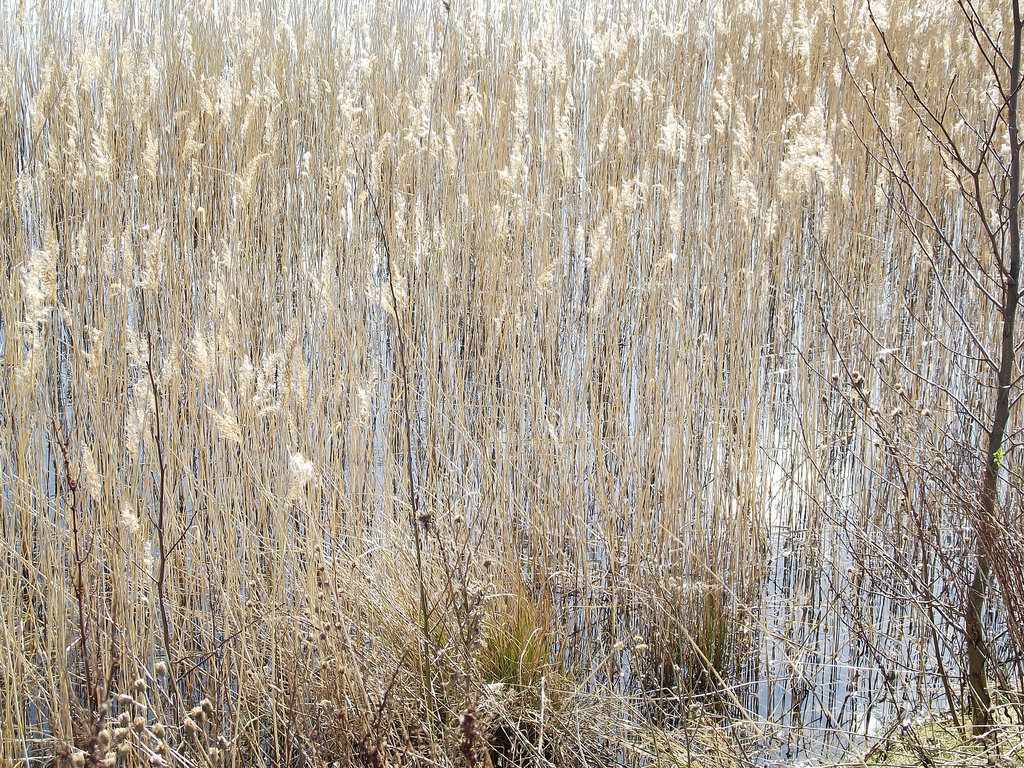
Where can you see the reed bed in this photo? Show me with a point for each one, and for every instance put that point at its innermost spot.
(393, 383)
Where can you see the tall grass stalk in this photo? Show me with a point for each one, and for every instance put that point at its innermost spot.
(341, 341)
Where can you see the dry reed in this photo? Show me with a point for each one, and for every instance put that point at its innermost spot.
(663, 336)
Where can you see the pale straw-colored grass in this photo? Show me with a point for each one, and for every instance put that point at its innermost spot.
(619, 256)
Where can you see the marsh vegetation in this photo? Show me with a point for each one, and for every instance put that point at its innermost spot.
(490, 384)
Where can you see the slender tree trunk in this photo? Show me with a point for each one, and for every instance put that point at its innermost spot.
(977, 680)
(977, 652)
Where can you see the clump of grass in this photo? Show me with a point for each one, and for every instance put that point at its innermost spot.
(695, 647)
(931, 741)
(519, 642)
